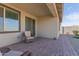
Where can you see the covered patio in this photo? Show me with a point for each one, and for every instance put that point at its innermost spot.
(43, 20)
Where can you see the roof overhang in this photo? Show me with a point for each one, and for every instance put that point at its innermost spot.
(41, 9)
(36, 9)
(56, 10)
(60, 7)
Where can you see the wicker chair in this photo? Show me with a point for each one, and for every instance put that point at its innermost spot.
(26, 37)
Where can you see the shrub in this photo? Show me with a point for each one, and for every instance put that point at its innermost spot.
(76, 33)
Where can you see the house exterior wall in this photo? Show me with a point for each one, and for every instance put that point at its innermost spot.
(70, 29)
(47, 27)
(10, 38)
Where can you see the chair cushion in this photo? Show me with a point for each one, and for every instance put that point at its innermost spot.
(27, 33)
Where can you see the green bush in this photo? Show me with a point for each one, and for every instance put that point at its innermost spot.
(76, 33)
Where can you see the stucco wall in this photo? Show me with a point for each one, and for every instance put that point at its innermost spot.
(10, 38)
(70, 29)
(47, 27)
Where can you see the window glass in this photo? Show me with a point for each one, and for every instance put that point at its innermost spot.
(11, 20)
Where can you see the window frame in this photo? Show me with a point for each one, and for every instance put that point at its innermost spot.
(13, 10)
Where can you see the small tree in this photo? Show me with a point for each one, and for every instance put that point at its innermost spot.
(75, 32)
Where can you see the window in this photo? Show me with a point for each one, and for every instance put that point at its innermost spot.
(9, 20)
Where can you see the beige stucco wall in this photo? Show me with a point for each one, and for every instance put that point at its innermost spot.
(10, 38)
(47, 27)
(70, 29)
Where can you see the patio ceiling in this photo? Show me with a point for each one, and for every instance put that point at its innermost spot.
(41, 9)
(36, 9)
